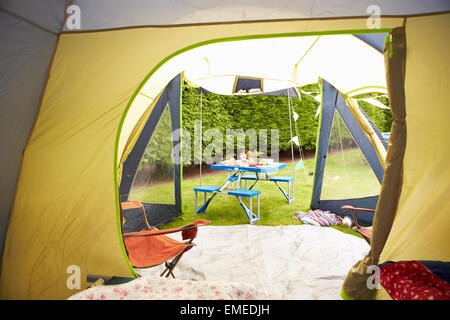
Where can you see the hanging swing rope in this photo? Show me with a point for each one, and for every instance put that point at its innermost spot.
(292, 146)
(302, 156)
(201, 135)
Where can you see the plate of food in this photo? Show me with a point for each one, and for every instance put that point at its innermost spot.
(228, 162)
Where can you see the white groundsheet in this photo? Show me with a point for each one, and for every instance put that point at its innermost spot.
(283, 262)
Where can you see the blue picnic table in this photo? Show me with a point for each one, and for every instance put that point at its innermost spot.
(237, 174)
(256, 169)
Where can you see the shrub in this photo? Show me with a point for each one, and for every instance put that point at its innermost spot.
(251, 112)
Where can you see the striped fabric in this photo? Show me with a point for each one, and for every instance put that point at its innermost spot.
(318, 218)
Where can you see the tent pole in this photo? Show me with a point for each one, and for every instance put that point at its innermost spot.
(201, 134)
(292, 146)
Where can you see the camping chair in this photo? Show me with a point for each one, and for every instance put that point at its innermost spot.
(366, 232)
(151, 247)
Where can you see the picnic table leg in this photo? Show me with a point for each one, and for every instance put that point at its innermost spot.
(257, 178)
(257, 197)
(248, 211)
(195, 202)
(207, 202)
(289, 191)
(251, 212)
(286, 195)
(244, 207)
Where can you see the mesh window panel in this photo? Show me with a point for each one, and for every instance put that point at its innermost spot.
(154, 180)
(347, 173)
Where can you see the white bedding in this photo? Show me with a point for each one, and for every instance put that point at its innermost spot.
(282, 262)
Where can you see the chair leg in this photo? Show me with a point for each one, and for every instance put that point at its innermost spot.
(169, 270)
(170, 266)
(165, 270)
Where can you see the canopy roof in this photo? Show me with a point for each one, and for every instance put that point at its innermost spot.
(344, 60)
(292, 92)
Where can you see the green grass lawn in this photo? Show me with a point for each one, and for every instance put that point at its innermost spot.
(348, 175)
(225, 210)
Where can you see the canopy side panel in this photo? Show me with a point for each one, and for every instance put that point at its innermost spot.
(131, 164)
(362, 141)
(329, 96)
(332, 102)
(174, 94)
(157, 214)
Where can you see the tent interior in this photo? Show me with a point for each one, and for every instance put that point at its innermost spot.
(352, 62)
(272, 67)
(78, 94)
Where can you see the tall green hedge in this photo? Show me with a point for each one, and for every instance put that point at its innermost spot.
(250, 112)
(382, 118)
(263, 112)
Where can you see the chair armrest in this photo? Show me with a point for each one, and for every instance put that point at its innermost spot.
(353, 209)
(137, 204)
(188, 231)
(131, 204)
(347, 207)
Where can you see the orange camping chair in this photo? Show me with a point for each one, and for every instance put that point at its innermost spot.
(366, 232)
(151, 247)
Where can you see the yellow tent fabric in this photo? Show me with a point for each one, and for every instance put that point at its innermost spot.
(417, 226)
(65, 211)
(421, 227)
(66, 206)
(355, 284)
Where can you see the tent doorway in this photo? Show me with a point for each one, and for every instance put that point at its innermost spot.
(204, 67)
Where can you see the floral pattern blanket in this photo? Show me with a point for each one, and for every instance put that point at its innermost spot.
(157, 288)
